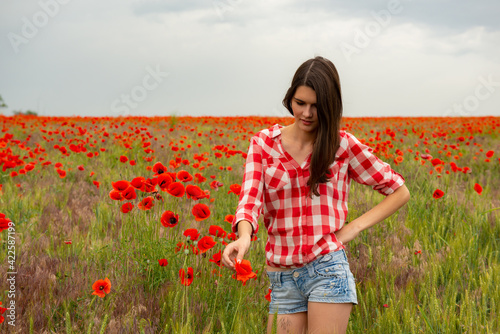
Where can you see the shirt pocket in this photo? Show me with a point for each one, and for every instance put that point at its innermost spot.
(275, 175)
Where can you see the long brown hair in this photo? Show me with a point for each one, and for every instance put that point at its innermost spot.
(321, 75)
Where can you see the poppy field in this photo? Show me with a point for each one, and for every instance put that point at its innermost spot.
(116, 225)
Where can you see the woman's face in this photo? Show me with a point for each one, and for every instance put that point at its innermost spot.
(304, 109)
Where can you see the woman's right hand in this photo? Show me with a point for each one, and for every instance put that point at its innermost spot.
(235, 251)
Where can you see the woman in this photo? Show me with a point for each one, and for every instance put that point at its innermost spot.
(299, 177)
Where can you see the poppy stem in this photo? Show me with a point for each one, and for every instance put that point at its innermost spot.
(237, 307)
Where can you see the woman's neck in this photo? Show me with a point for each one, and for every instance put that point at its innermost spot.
(298, 137)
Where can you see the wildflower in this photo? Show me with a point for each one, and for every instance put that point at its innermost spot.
(478, 188)
(194, 192)
(163, 262)
(192, 233)
(215, 184)
(123, 159)
(438, 193)
(126, 207)
(97, 184)
(62, 173)
(129, 193)
(81, 168)
(206, 243)
(138, 183)
(164, 180)
(68, 242)
(115, 195)
(229, 219)
(418, 252)
(489, 154)
(4, 222)
(235, 189)
(120, 185)
(146, 204)
(186, 279)
(268, 296)
(169, 219)
(159, 169)
(101, 287)
(216, 258)
(386, 306)
(176, 189)
(244, 271)
(200, 211)
(184, 176)
(217, 231)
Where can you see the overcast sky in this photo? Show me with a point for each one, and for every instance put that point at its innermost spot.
(237, 57)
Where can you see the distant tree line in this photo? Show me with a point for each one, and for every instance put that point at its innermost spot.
(17, 112)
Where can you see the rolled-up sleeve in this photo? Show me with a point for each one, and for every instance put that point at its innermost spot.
(365, 168)
(251, 193)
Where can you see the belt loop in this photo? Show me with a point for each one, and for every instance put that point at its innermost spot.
(310, 269)
(278, 278)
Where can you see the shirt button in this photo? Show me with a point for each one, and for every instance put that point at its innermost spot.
(296, 274)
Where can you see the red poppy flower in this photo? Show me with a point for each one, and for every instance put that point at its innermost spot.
(186, 279)
(150, 185)
(437, 161)
(146, 203)
(192, 233)
(244, 271)
(62, 173)
(232, 236)
(138, 183)
(478, 188)
(206, 243)
(216, 258)
(163, 262)
(4, 222)
(229, 219)
(127, 207)
(164, 180)
(81, 167)
(120, 185)
(123, 159)
(101, 287)
(68, 242)
(234, 188)
(159, 169)
(217, 231)
(200, 212)
(115, 195)
(176, 189)
(184, 176)
(179, 247)
(194, 192)
(97, 184)
(489, 154)
(169, 219)
(268, 296)
(438, 193)
(129, 193)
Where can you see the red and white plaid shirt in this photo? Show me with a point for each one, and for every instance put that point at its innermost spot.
(301, 228)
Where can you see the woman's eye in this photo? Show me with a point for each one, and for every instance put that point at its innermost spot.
(299, 103)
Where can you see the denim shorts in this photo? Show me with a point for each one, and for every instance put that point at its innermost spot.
(327, 279)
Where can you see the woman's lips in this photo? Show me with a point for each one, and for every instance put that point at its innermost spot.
(306, 122)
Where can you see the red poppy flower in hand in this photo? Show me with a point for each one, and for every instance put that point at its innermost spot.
(244, 271)
(101, 287)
